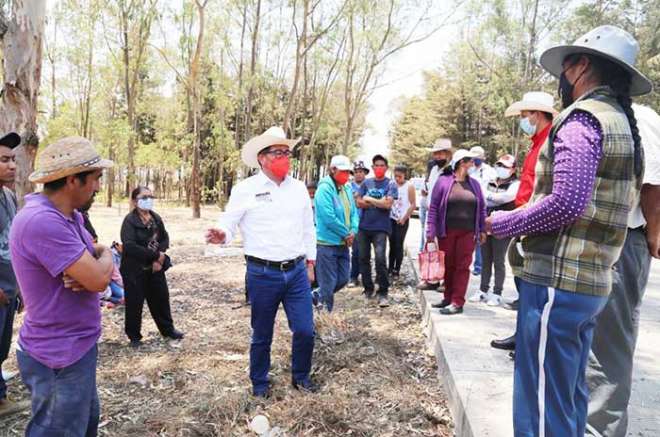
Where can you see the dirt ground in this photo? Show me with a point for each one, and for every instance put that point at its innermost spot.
(376, 377)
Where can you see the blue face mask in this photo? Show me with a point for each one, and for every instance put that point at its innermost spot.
(145, 204)
(527, 126)
(478, 161)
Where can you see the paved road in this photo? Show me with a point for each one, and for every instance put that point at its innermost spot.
(479, 378)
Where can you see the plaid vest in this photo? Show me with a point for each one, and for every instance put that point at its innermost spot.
(579, 257)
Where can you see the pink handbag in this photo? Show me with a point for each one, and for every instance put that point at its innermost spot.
(431, 263)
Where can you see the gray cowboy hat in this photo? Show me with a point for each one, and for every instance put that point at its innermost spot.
(609, 42)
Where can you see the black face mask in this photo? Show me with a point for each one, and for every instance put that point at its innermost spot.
(440, 162)
(566, 88)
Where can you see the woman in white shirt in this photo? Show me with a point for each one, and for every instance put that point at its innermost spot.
(500, 195)
(402, 209)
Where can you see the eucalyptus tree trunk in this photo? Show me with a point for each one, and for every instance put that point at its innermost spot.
(22, 46)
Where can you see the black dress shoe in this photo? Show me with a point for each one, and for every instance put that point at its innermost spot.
(451, 309)
(175, 335)
(443, 304)
(507, 344)
(305, 386)
(513, 306)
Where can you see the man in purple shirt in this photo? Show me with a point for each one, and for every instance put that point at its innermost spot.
(61, 274)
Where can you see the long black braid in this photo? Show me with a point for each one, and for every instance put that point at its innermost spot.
(619, 81)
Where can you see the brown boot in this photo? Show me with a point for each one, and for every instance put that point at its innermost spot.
(8, 407)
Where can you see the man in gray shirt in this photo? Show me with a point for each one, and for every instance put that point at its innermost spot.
(8, 288)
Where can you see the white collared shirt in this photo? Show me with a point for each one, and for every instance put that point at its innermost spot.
(276, 222)
(648, 123)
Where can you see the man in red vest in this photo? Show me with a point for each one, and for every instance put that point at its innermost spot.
(536, 111)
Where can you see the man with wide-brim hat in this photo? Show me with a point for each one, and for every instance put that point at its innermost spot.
(588, 176)
(535, 113)
(61, 274)
(274, 214)
(441, 153)
(9, 299)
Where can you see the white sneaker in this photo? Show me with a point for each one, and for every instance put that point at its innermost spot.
(493, 300)
(477, 296)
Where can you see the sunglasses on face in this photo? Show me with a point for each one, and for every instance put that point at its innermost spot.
(279, 153)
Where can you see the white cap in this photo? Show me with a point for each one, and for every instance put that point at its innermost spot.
(478, 151)
(341, 162)
(461, 154)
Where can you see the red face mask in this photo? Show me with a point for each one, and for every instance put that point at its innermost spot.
(279, 167)
(379, 172)
(341, 177)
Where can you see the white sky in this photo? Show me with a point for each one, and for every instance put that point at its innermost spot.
(403, 77)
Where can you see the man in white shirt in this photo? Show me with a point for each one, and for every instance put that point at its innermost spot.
(441, 153)
(609, 374)
(484, 173)
(274, 214)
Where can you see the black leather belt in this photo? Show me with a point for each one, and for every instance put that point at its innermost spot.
(283, 266)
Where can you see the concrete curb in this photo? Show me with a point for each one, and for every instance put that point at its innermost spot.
(461, 423)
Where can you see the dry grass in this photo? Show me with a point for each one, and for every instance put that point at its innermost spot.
(376, 378)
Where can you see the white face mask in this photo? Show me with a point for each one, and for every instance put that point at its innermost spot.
(145, 204)
(503, 172)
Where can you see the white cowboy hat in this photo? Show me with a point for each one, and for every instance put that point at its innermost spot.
(341, 162)
(609, 42)
(65, 157)
(532, 101)
(461, 154)
(441, 144)
(273, 136)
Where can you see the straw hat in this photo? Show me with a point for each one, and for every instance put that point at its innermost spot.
(609, 42)
(441, 144)
(273, 136)
(532, 101)
(66, 157)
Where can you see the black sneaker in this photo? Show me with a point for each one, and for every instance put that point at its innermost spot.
(451, 309)
(135, 344)
(443, 304)
(427, 286)
(316, 297)
(174, 335)
(306, 386)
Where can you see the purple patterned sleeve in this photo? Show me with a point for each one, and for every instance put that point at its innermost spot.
(578, 150)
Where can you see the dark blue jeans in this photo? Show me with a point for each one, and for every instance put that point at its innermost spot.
(379, 241)
(331, 271)
(355, 260)
(267, 288)
(65, 402)
(7, 313)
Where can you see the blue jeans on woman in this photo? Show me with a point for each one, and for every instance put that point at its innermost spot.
(64, 401)
(331, 272)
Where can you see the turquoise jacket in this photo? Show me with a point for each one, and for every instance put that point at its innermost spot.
(331, 226)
